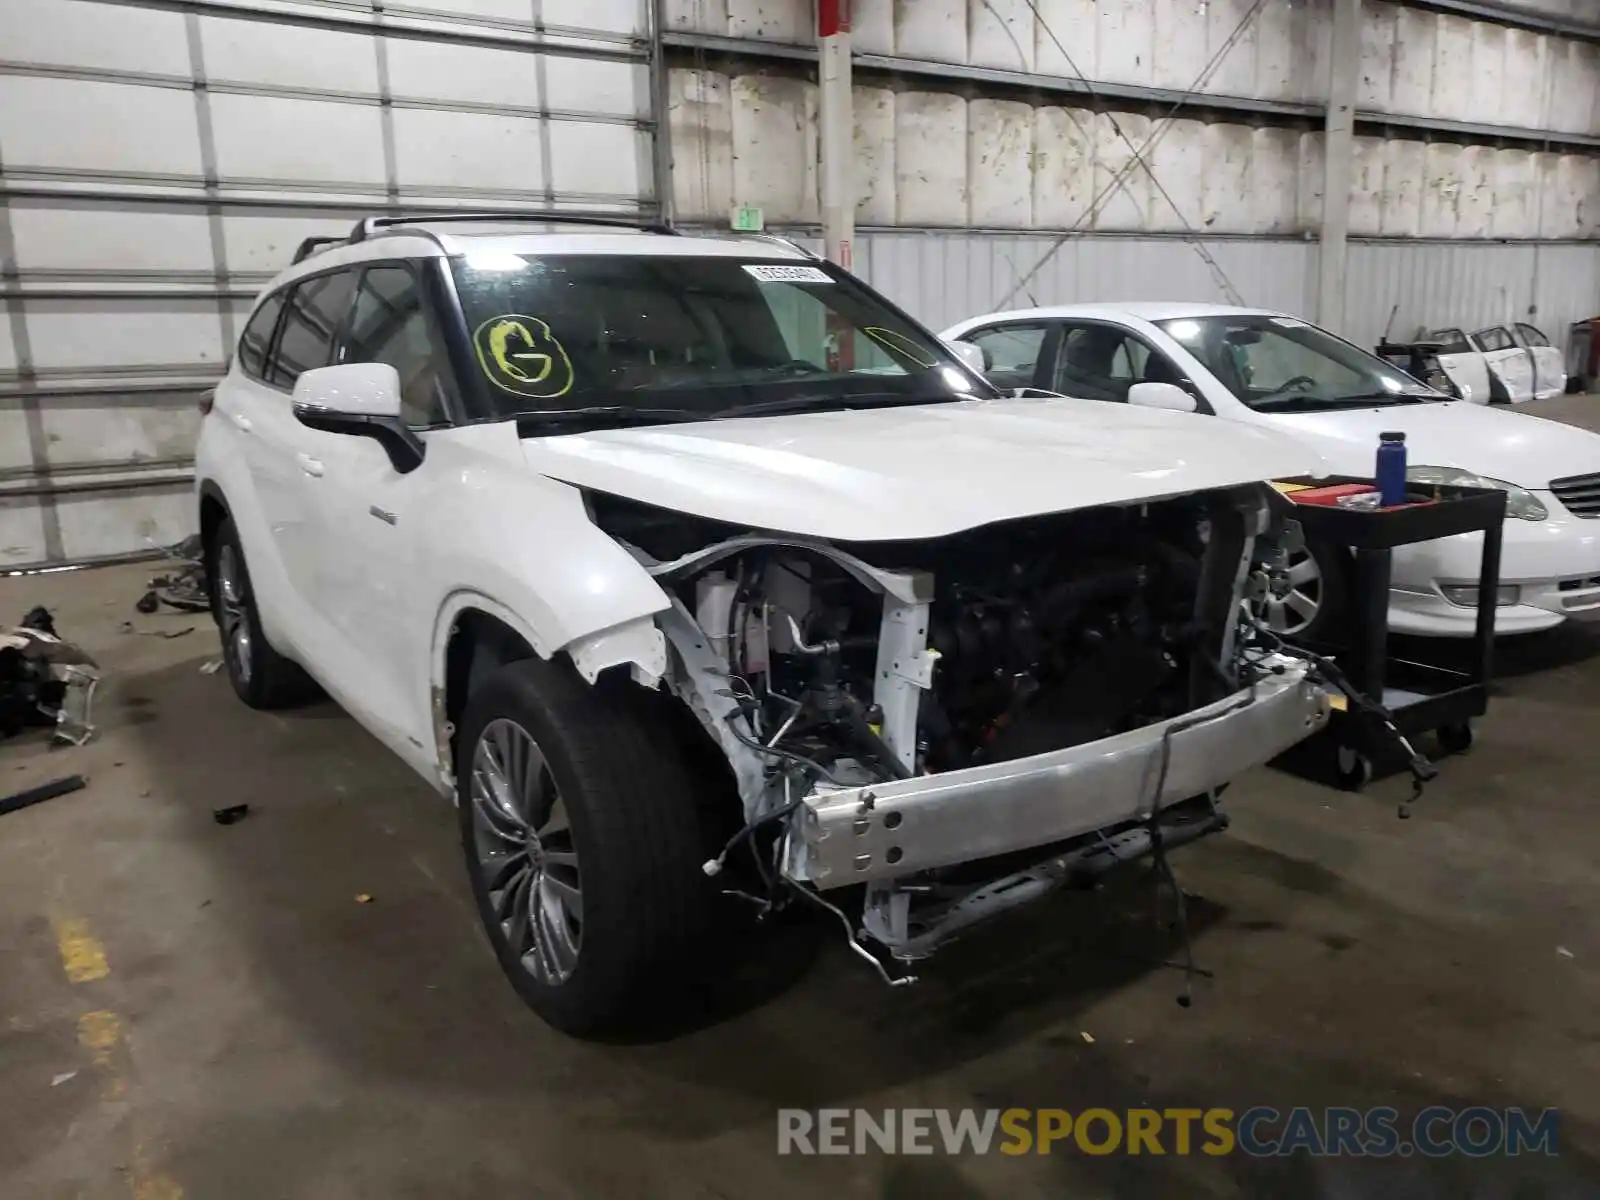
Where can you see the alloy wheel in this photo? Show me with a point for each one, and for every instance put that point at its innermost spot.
(234, 601)
(526, 856)
(1296, 609)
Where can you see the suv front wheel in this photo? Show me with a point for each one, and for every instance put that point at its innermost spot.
(585, 831)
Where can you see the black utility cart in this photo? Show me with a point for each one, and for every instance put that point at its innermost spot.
(1421, 696)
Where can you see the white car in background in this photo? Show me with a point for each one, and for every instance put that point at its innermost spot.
(1268, 369)
(1505, 364)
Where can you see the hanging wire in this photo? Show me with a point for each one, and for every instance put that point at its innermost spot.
(1140, 154)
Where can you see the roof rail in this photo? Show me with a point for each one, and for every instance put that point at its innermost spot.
(783, 241)
(373, 226)
(312, 244)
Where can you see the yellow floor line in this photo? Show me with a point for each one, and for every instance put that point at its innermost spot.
(82, 955)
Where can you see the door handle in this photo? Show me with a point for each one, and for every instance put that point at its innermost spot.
(311, 466)
(242, 422)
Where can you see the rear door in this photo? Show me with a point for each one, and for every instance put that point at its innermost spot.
(313, 311)
(1549, 370)
(1510, 365)
(1463, 363)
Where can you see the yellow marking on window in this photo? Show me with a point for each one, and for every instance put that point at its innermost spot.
(82, 955)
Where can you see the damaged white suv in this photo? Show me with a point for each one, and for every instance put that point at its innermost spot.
(691, 566)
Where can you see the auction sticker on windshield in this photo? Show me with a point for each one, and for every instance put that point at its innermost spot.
(769, 273)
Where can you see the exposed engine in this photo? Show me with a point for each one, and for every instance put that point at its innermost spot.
(1049, 632)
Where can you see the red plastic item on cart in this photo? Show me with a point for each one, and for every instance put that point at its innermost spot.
(1330, 494)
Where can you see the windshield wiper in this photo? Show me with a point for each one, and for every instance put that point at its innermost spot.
(619, 414)
(1307, 402)
(820, 402)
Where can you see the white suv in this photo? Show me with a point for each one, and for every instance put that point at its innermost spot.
(692, 567)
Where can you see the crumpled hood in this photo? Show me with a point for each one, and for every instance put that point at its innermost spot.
(917, 472)
(1515, 447)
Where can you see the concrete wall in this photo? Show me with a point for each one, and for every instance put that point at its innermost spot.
(937, 158)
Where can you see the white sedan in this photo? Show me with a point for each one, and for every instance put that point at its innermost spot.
(1266, 368)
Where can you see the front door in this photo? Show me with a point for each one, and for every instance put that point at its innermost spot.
(1460, 360)
(1549, 371)
(1509, 364)
(367, 514)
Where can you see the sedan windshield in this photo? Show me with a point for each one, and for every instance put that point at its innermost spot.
(1278, 364)
(636, 339)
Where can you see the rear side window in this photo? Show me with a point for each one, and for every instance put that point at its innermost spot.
(1451, 341)
(1494, 339)
(391, 325)
(316, 309)
(1010, 353)
(257, 337)
(1531, 336)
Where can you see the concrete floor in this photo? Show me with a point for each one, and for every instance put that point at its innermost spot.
(240, 1026)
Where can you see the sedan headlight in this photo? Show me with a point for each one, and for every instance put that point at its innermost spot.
(1520, 502)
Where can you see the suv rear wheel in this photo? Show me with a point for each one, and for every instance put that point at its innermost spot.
(261, 677)
(584, 827)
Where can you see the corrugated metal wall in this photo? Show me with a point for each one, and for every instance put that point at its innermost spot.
(1549, 285)
(160, 161)
(943, 276)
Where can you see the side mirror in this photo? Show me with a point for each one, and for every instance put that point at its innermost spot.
(972, 357)
(1161, 395)
(362, 399)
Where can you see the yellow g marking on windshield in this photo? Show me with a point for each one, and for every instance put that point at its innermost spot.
(898, 344)
(520, 355)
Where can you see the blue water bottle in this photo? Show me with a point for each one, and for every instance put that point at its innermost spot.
(1391, 472)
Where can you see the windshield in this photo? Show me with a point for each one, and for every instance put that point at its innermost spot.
(1278, 364)
(651, 338)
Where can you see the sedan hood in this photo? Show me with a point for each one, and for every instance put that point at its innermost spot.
(1515, 447)
(916, 472)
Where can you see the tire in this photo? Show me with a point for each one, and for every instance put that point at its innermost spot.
(1327, 589)
(261, 677)
(1352, 770)
(620, 831)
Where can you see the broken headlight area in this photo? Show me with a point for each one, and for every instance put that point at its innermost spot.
(966, 723)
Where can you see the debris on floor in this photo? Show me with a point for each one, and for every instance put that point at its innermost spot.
(230, 815)
(127, 627)
(45, 791)
(212, 667)
(363, 898)
(61, 1077)
(1564, 952)
(184, 589)
(45, 680)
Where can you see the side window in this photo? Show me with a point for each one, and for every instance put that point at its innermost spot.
(257, 337)
(1494, 339)
(316, 309)
(1451, 341)
(391, 326)
(1010, 352)
(1531, 336)
(1096, 362)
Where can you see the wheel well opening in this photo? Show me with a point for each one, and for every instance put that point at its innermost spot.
(479, 644)
(212, 515)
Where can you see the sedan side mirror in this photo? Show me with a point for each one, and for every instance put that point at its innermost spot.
(971, 356)
(1161, 395)
(362, 399)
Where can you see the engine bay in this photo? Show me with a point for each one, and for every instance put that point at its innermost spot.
(1044, 633)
